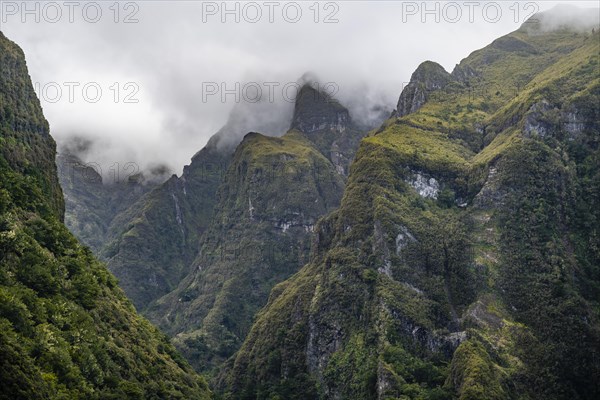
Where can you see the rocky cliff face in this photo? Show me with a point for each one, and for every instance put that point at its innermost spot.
(271, 197)
(90, 204)
(151, 245)
(316, 111)
(462, 262)
(26, 144)
(328, 125)
(66, 329)
(428, 78)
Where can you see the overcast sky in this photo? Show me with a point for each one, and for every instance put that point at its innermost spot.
(161, 65)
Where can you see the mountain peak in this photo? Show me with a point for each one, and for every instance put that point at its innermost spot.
(428, 76)
(428, 69)
(270, 118)
(317, 110)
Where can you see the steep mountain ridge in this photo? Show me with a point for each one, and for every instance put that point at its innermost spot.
(151, 245)
(178, 250)
(91, 204)
(26, 144)
(428, 77)
(328, 125)
(273, 193)
(462, 261)
(66, 330)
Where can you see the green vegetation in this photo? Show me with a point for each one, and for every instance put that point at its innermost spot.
(151, 245)
(66, 330)
(25, 142)
(475, 374)
(271, 196)
(463, 261)
(489, 290)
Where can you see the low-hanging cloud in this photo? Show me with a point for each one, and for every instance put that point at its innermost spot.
(565, 16)
(153, 72)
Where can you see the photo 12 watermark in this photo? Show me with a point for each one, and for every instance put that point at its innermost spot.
(467, 11)
(88, 92)
(94, 173)
(253, 12)
(232, 252)
(254, 92)
(54, 12)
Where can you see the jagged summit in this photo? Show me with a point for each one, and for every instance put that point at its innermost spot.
(317, 110)
(148, 264)
(455, 266)
(269, 199)
(429, 76)
(268, 117)
(328, 124)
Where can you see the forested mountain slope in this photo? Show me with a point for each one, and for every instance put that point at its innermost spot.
(151, 244)
(66, 330)
(464, 258)
(272, 194)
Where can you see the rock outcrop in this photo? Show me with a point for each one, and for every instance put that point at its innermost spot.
(268, 204)
(428, 77)
(491, 295)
